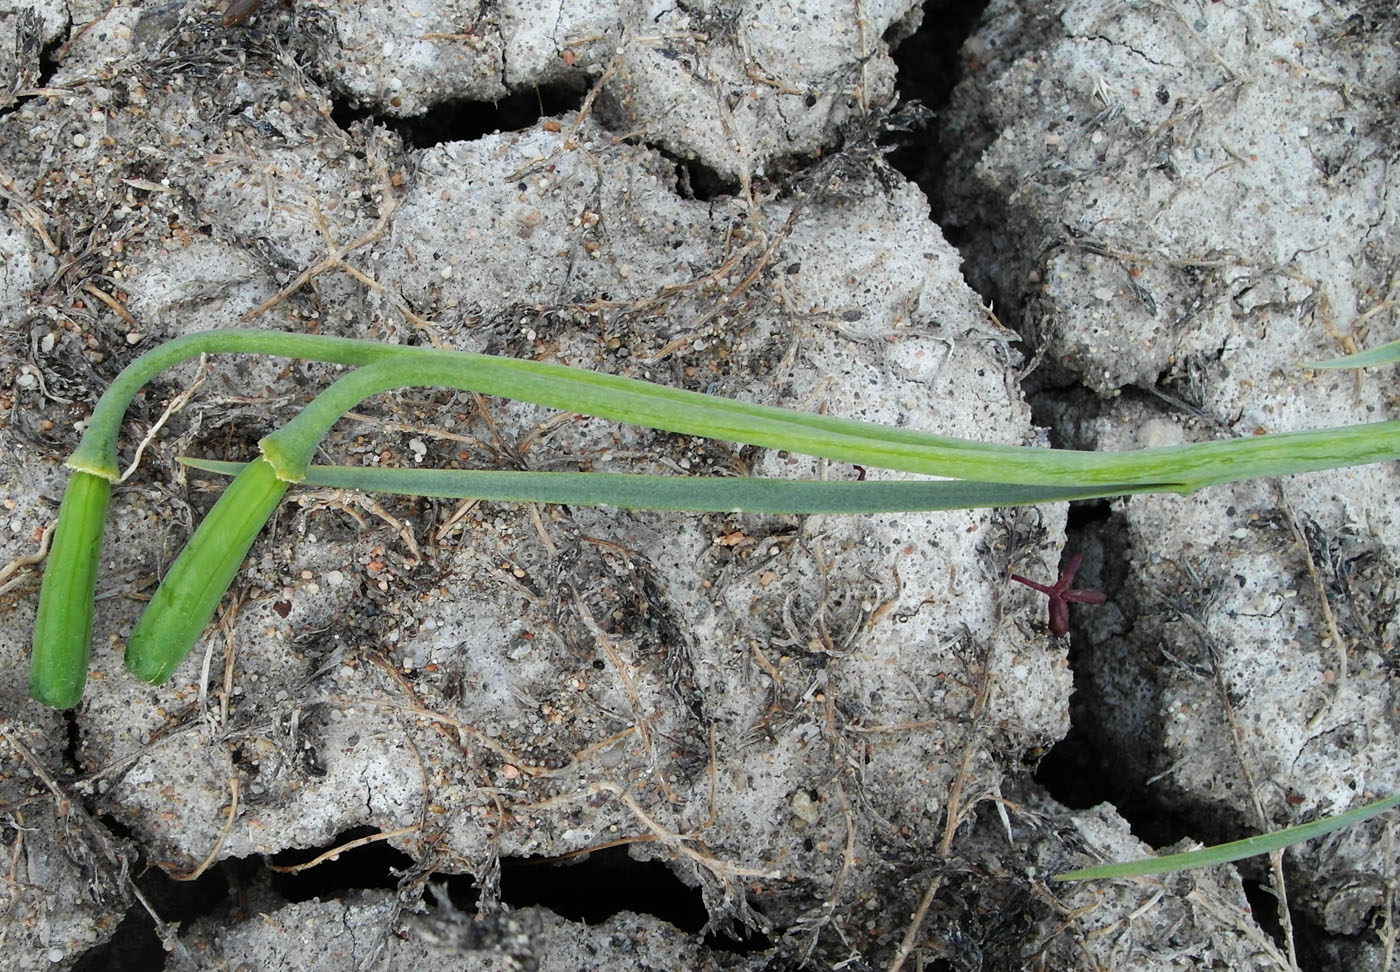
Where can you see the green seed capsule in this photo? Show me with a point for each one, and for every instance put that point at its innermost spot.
(186, 599)
(63, 626)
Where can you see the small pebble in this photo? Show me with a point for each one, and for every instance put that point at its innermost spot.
(804, 808)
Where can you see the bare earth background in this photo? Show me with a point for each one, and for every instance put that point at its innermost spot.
(561, 738)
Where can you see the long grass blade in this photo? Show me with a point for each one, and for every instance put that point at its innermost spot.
(290, 448)
(1235, 850)
(691, 413)
(695, 494)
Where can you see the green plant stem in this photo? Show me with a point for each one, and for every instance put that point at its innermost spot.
(63, 625)
(1178, 468)
(97, 452)
(693, 494)
(1183, 468)
(691, 413)
(191, 589)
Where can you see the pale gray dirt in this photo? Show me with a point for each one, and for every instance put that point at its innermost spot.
(810, 721)
(1202, 199)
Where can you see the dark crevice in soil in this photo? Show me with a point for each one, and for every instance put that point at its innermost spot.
(373, 865)
(1076, 774)
(135, 945)
(929, 69)
(590, 889)
(1083, 770)
(48, 58)
(461, 891)
(114, 826)
(1264, 908)
(74, 740)
(696, 180)
(1077, 771)
(465, 121)
(594, 888)
(48, 63)
(1085, 512)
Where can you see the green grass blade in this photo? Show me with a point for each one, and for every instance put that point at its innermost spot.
(626, 400)
(1235, 850)
(695, 494)
(1385, 354)
(382, 367)
(676, 410)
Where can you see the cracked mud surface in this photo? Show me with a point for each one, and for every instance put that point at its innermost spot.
(794, 733)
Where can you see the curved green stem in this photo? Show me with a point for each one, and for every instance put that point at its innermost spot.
(1182, 468)
(691, 413)
(63, 624)
(97, 452)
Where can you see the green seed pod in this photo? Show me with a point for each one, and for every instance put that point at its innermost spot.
(63, 626)
(186, 599)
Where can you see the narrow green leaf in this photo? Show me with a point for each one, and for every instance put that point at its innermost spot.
(290, 448)
(1235, 850)
(695, 494)
(691, 413)
(1385, 354)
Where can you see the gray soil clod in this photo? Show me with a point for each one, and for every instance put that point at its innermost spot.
(822, 726)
